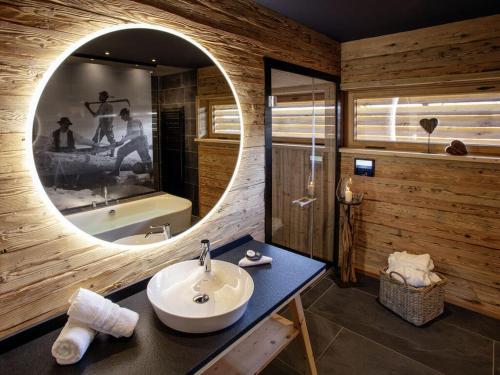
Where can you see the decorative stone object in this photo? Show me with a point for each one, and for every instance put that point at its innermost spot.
(456, 147)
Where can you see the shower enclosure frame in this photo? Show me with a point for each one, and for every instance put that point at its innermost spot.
(270, 64)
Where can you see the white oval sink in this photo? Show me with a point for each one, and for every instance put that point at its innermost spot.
(179, 294)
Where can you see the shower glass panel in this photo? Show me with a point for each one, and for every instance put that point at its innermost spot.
(303, 153)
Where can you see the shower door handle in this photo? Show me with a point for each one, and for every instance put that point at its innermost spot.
(304, 201)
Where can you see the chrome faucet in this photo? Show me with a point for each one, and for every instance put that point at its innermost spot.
(205, 260)
(167, 233)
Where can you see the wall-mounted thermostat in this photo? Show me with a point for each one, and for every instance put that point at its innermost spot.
(364, 167)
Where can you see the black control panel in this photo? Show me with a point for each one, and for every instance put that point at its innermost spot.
(364, 167)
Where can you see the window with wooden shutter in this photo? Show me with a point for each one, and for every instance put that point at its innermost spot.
(393, 121)
(297, 120)
(225, 119)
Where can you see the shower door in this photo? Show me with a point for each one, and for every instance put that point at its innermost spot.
(301, 159)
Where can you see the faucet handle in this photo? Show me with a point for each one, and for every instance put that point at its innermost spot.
(163, 226)
(166, 229)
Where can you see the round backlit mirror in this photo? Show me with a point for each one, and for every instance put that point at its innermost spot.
(136, 136)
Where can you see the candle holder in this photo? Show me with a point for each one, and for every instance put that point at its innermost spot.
(347, 199)
(344, 184)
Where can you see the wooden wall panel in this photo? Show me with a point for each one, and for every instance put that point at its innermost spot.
(212, 83)
(216, 163)
(42, 259)
(449, 209)
(291, 169)
(459, 51)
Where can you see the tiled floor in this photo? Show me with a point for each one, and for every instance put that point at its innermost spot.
(351, 333)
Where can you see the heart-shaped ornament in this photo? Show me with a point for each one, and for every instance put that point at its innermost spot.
(456, 147)
(429, 124)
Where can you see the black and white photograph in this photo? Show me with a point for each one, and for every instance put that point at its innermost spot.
(94, 131)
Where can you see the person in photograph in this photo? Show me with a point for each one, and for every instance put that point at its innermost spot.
(105, 115)
(134, 140)
(65, 140)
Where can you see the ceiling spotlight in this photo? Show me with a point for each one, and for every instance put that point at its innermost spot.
(106, 53)
(153, 60)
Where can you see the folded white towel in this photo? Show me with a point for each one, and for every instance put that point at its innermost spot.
(414, 277)
(421, 262)
(101, 314)
(245, 262)
(72, 342)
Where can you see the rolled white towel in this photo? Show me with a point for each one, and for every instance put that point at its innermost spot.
(72, 342)
(421, 262)
(245, 262)
(101, 314)
(413, 277)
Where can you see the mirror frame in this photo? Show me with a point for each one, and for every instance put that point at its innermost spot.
(32, 113)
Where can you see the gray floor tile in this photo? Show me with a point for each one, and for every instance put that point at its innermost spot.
(440, 346)
(368, 284)
(309, 297)
(472, 321)
(354, 354)
(276, 367)
(321, 332)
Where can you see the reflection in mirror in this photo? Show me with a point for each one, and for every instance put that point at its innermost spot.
(136, 136)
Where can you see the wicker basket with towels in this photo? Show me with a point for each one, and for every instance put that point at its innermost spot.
(416, 304)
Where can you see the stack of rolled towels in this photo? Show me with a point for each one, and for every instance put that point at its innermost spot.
(415, 269)
(90, 313)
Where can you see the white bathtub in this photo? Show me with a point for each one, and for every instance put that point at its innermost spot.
(116, 221)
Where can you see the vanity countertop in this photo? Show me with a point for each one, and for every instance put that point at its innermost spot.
(155, 348)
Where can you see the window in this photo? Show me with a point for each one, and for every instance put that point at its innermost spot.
(225, 119)
(393, 121)
(295, 120)
(218, 117)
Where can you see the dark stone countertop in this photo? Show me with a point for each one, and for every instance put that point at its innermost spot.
(155, 348)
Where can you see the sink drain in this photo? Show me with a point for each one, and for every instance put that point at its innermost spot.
(201, 298)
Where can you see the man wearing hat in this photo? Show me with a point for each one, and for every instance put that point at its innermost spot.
(105, 115)
(64, 140)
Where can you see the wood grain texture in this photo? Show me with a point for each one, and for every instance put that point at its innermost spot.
(291, 169)
(449, 209)
(42, 259)
(216, 163)
(459, 51)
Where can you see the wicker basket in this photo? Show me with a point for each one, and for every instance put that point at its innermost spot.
(416, 305)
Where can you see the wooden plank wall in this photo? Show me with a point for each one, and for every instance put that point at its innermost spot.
(456, 52)
(449, 209)
(43, 259)
(216, 163)
(212, 83)
(291, 169)
(216, 158)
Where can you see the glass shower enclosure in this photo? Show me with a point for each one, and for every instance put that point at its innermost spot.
(301, 159)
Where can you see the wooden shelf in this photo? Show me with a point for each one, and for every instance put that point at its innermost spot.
(218, 140)
(421, 155)
(254, 353)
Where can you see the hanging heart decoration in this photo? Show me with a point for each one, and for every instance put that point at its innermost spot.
(429, 124)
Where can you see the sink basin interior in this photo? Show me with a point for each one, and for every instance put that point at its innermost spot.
(185, 294)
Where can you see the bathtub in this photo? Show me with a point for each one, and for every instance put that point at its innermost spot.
(116, 221)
